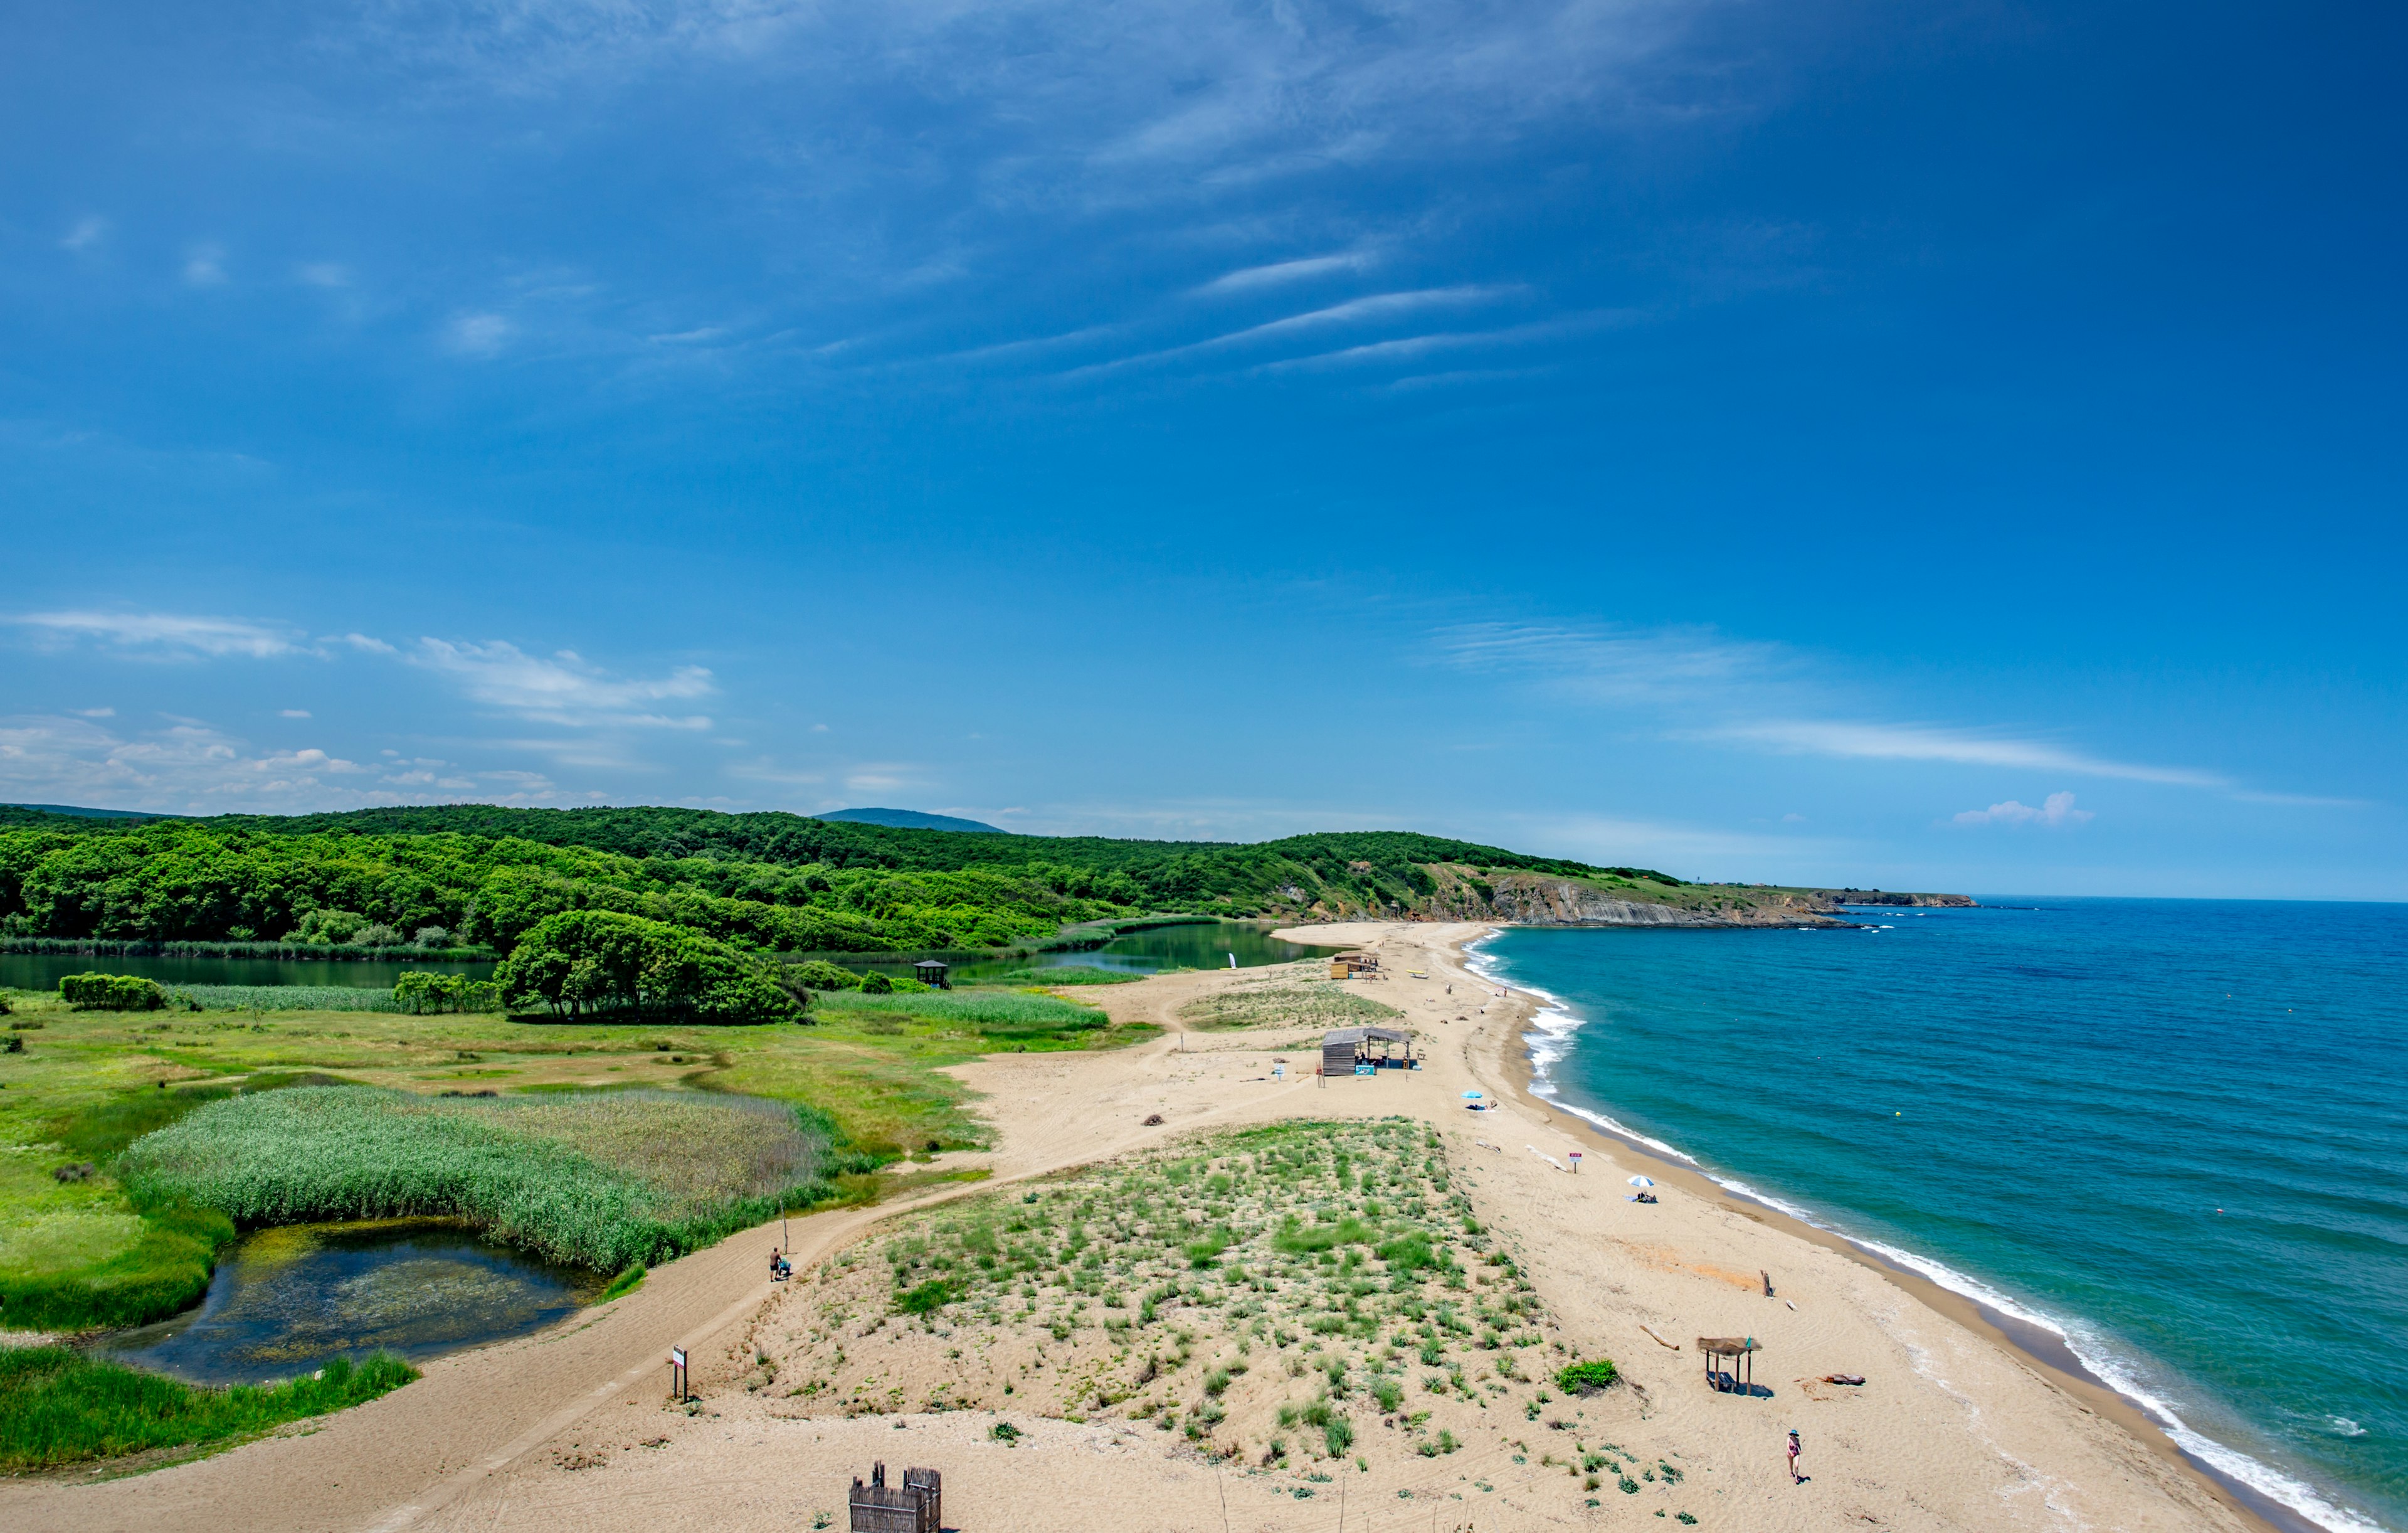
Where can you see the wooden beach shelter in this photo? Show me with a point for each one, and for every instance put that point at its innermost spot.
(915, 1506)
(1354, 966)
(930, 972)
(1363, 1051)
(1741, 1352)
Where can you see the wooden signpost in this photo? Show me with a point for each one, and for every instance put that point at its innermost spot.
(680, 1379)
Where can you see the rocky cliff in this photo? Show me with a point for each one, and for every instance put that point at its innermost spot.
(1881, 896)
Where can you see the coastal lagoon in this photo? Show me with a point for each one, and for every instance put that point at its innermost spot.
(2170, 1130)
(43, 971)
(288, 1301)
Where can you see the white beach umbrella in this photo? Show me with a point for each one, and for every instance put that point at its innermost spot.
(1642, 1181)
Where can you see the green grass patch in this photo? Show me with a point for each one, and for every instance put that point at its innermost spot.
(625, 1284)
(59, 1407)
(1065, 974)
(991, 1013)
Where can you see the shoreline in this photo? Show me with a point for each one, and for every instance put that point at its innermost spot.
(2049, 1355)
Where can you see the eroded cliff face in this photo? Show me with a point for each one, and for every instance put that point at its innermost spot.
(1541, 899)
(1879, 897)
(1535, 901)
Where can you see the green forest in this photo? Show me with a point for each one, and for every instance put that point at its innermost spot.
(479, 876)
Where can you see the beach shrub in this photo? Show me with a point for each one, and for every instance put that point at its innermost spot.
(602, 1179)
(1587, 1378)
(58, 1406)
(111, 993)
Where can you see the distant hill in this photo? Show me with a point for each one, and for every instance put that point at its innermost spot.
(910, 820)
(101, 814)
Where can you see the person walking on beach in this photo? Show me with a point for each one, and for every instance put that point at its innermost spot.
(1795, 1478)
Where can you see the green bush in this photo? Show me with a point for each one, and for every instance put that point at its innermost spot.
(819, 974)
(875, 983)
(417, 992)
(927, 1298)
(58, 1406)
(111, 993)
(1587, 1378)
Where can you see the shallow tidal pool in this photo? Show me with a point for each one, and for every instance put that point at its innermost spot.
(287, 1301)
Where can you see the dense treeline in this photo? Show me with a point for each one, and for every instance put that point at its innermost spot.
(478, 874)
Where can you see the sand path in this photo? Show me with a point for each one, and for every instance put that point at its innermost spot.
(570, 1428)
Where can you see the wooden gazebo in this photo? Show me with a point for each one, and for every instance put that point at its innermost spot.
(1741, 1352)
(1361, 1051)
(930, 972)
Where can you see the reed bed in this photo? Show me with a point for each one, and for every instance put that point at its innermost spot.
(282, 997)
(602, 1179)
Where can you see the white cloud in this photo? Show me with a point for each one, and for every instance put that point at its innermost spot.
(2055, 810)
(186, 766)
(93, 713)
(563, 689)
(324, 273)
(292, 713)
(879, 776)
(1919, 742)
(1280, 273)
(204, 266)
(478, 334)
(373, 645)
(167, 632)
(85, 233)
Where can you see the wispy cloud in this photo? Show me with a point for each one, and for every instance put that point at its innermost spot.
(204, 266)
(1280, 273)
(1696, 684)
(1863, 741)
(1370, 309)
(185, 764)
(84, 233)
(479, 334)
(2055, 810)
(563, 688)
(166, 634)
(324, 273)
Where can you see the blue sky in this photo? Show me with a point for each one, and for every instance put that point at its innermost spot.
(1944, 446)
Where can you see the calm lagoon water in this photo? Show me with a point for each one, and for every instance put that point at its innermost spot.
(289, 1300)
(2173, 1131)
(1209, 944)
(43, 971)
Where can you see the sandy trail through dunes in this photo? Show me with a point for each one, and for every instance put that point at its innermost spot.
(570, 1428)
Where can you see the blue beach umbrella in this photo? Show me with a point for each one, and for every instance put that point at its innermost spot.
(1471, 1095)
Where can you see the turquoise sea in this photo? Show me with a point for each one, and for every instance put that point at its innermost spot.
(2174, 1132)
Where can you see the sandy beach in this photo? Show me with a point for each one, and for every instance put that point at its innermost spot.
(1955, 1426)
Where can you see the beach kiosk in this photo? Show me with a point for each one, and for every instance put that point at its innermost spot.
(929, 972)
(915, 1506)
(1354, 966)
(1365, 1050)
(1735, 1353)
